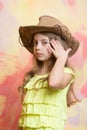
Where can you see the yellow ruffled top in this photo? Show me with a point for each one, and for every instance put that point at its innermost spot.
(44, 108)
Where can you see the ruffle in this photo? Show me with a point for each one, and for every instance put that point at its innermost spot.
(36, 121)
(41, 128)
(44, 109)
(46, 96)
(38, 81)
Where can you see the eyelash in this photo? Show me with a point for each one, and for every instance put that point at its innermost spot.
(43, 43)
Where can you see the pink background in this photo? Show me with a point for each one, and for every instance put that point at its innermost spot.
(13, 63)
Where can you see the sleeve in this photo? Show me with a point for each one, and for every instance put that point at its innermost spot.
(70, 71)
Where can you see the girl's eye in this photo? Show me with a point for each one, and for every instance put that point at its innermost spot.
(35, 43)
(45, 42)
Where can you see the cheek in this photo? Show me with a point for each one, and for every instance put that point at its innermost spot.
(49, 51)
(49, 54)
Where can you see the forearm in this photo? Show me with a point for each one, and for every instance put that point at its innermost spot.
(57, 74)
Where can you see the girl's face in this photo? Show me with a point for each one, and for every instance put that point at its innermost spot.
(40, 47)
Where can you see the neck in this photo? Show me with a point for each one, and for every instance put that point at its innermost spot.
(44, 68)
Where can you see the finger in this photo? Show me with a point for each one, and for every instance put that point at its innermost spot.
(49, 48)
(54, 44)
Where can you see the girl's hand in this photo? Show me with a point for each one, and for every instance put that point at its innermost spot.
(57, 50)
(72, 97)
(71, 100)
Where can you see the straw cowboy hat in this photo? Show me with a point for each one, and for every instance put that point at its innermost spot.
(47, 24)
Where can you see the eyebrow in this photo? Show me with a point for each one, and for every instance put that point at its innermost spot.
(41, 40)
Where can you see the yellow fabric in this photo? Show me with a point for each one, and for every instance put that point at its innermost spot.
(44, 108)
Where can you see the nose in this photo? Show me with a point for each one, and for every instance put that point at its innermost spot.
(39, 45)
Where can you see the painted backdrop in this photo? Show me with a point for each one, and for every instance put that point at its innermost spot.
(13, 63)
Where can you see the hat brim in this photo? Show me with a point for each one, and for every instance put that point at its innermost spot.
(27, 33)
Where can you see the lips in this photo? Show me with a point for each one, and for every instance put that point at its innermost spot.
(39, 54)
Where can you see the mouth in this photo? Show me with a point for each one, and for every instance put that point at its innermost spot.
(39, 54)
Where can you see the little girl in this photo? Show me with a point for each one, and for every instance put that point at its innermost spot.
(47, 84)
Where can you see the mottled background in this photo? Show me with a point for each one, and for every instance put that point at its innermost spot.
(13, 63)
